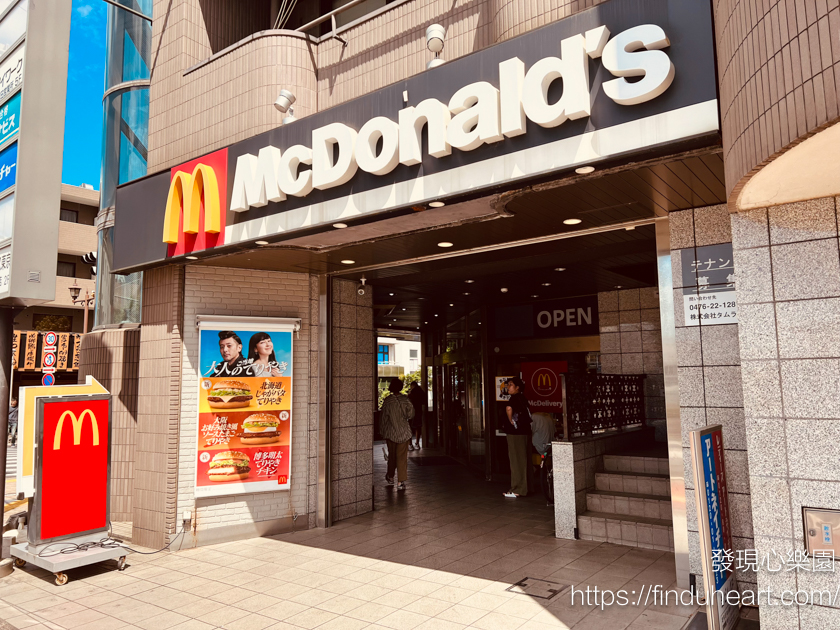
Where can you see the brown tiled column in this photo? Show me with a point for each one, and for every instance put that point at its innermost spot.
(159, 401)
(112, 358)
(353, 386)
(710, 384)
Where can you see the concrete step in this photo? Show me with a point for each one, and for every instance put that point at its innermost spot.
(631, 531)
(636, 464)
(635, 483)
(629, 504)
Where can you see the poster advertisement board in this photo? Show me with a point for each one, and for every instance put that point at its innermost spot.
(544, 385)
(245, 380)
(708, 276)
(715, 532)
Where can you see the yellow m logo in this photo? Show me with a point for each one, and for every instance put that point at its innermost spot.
(544, 379)
(185, 192)
(78, 423)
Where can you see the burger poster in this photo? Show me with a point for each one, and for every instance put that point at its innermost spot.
(245, 410)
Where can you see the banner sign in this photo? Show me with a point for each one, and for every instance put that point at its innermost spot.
(544, 385)
(498, 117)
(10, 118)
(11, 72)
(708, 275)
(8, 166)
(72, 470)
(715, 530)
(569, 317)
(244, 408)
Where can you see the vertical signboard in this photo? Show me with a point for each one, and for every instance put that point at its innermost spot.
(72, 467)
(244, 407)
(708, 275)
(715, 531)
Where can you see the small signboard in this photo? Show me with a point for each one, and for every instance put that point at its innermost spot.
(544, 385)
(708, 275)
(716, 548)
(501, 388)
(10, 118)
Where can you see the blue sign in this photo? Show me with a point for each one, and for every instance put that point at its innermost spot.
(47, 380)
(713, 502)
(10, 118)
(8, 166)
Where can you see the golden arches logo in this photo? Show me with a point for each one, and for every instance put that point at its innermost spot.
(544, 379)
(185, 192)
(78, 423)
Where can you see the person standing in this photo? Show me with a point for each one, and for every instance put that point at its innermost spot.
(418, 399)
(395, 415)
(518, 429)
(13, 421)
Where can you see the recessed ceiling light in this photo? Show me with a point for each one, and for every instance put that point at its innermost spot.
(403, 309)
(348, 262)
(340, 226)
(504, 290)
(535, 296)
(466, 292)
(585, 170)
(469, 281)
(390, 324)
(546, 284)
(196, 258)
(444, 244)
(425, 322)
(390, 294)
(395, 319)
(437, 204)
(262, 242)
(451, 305)
(436, 314)
(559, 269)
(619, 286)
(571, 221)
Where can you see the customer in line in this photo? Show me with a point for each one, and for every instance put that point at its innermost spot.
(518, 429)
(397, 411)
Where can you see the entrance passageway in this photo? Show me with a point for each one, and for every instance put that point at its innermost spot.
(442, 554)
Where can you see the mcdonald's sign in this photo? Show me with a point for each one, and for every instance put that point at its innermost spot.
(72, 476)
(196, 205)
(543, 384)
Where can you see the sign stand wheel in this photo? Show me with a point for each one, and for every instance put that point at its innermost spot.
(61, 579)
(121, 565)
(20, 563)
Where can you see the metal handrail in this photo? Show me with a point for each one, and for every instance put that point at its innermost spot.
(328, 16)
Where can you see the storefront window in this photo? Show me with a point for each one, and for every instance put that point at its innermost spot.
(118, 298)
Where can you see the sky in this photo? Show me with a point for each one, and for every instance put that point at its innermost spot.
(85, 85)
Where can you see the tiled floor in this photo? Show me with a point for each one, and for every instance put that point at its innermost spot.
(439, 556)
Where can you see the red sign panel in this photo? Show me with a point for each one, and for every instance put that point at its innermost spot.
(543, 386)
(73, 489)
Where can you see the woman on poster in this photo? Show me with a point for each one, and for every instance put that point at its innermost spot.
(261, 357)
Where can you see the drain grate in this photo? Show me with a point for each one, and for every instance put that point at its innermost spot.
(541, 589)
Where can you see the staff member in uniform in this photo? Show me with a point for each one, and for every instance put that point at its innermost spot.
(518, 429)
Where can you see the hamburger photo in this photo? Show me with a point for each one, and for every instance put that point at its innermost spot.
(229, 394)
(229, 466)
(260, 428)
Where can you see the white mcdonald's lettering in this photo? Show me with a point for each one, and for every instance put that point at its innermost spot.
(78, 423)
(476, 114)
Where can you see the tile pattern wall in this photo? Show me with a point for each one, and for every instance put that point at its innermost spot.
(514, 17)
(631, 343)
(709, 370)
(225, 291)
(158, 408)
(111, 357)
(788, 283)
(353, 387)
(779, 75)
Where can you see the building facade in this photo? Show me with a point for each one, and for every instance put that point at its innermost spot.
(675, 234)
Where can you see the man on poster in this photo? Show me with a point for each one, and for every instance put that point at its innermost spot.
(234, 364)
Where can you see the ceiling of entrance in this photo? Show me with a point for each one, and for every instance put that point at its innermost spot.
(411, 266)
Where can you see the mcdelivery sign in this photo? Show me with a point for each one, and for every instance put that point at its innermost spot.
(613, 81)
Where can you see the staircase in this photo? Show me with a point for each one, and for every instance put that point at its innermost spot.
(631, 502)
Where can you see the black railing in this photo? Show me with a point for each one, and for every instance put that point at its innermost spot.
(599, 402)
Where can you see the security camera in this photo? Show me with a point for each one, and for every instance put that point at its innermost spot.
(361, 290)
(284, 101)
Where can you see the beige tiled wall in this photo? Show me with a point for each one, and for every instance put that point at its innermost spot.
(353, 386)
(111, 357)
(709, 369)
(158, 408)
(223, 291)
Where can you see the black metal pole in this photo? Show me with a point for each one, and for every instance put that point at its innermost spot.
(7, 319)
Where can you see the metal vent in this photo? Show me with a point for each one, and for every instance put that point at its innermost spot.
(34, 276)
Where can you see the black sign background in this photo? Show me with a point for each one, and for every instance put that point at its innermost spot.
(521, 321)
(141, 204)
